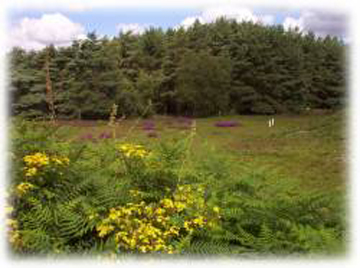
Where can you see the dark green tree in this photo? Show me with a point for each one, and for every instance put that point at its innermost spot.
(203, 83)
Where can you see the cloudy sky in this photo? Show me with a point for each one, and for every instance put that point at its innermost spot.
(34, 28)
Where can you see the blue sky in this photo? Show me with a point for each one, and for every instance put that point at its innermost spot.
(104, 20)
(35, 28)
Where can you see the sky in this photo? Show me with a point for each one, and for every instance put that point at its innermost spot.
(34, 28)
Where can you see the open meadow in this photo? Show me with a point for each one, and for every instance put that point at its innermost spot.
(296, 146)
(177, 185)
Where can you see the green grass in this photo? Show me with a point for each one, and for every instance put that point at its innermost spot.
(309, 149)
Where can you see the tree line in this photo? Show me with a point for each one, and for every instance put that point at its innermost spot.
(224, 67)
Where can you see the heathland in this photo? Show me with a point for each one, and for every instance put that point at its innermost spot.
(175, 185)
(160, 143)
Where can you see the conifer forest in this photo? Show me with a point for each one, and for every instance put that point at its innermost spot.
(222, 68)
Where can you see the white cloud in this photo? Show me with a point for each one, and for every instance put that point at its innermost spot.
(134, 28)
(56, 29)
(238, 14)
(320, 22)
(291, 23)
(229, 12)
(323, 23)
(187, 22)
(267, 19)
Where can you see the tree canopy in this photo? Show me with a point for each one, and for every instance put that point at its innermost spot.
(222, 67)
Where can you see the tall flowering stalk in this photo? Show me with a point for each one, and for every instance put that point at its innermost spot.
(189, 142)
(112, 119)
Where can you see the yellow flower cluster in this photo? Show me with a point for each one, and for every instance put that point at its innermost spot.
(35, 162)
(135, 193)
(23, 188)
(12, 223)
(198, 222)
(154, 227)
(60, 160)
(14, 233)
(30, 171)
(139, 227)
(133, 151)
(191, 195)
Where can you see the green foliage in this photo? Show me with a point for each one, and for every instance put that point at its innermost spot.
(265, 216)
(203, 70)
(202, 83)
(255, 212)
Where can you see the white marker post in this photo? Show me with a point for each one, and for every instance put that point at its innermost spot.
(271, 122)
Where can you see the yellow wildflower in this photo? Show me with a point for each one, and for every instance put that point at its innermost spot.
(57, 161)
(104, 229)
(174, 230)
(199, 221)
(187, 225)
(216, 209)
(62, 161)
(122, 234)
(113, 214)
(30, 172)
(23, 188)
(135, 193)
(130, 150)
(180, 206)
(159, 247)
(167, 203)
(124, 147)
(65, 160)
(145, 228)
(159, 211)
(12, 223)
(15, 237)
(143, 249)
(37, 159)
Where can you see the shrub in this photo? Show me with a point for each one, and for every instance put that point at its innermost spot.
(130, 198)
(226, 124)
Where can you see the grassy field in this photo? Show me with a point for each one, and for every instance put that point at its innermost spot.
(308, 148)
(179, 185)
